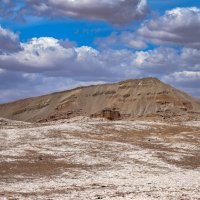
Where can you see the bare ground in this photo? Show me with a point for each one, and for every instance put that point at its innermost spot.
(85, 158)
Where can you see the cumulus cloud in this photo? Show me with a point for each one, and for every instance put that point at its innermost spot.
(189, 78)
(166, 60)
(177, 26)
(157, 61)
(9, 41)
(188, 81)
(191, 58)
(113, 11)
(49, 56)
(47, 64)
(38, 54)
(122, 40)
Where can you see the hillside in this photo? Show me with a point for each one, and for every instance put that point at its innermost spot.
(131, 98)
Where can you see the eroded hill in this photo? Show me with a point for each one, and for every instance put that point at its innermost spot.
(131, 98)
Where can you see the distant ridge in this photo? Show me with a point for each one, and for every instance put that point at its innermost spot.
(126, 99)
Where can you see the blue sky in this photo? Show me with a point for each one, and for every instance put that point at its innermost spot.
(50, 45)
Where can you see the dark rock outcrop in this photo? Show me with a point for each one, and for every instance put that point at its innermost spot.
(110, 114)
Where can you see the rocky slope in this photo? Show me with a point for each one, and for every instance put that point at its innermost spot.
(131, 98)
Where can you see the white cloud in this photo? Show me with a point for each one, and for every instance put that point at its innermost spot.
(38, 54)
(158, 61)
(47, 55)
(122, 40)
(188, 81)
(9, 41)
(188, 78)
(114, 11)
(177, 26)
(191, 59)
(46, 65)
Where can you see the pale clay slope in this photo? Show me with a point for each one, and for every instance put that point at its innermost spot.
(132, 98)
(84, 158)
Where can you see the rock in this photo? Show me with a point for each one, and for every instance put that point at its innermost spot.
(40, 157)
(110, 114)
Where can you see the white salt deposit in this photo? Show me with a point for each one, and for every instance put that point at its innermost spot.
(107, 168)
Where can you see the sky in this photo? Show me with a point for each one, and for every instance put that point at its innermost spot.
(54, 45)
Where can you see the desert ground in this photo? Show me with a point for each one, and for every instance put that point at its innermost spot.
(85, 158)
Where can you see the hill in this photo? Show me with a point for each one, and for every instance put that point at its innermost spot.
(126, 99)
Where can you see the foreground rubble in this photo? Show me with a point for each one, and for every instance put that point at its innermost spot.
(84, 158)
